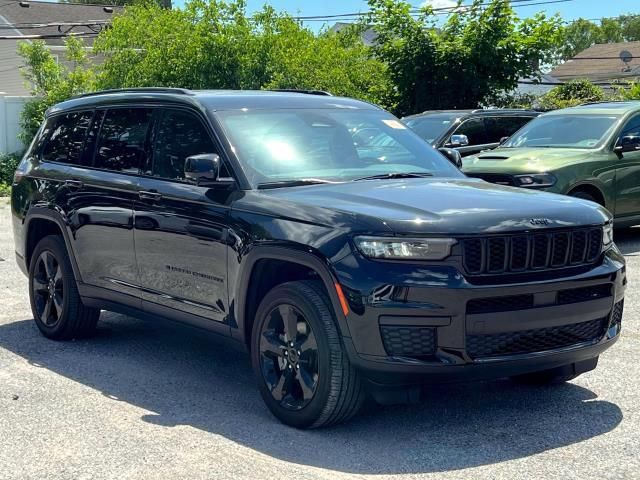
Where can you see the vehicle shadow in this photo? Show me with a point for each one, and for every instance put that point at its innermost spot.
(189, 377)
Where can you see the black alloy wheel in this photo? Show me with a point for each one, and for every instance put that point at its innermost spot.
(289, 357)
(304, 374)
(48, 289)
(55, 301)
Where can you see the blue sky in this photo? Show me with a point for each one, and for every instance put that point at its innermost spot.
(568, 10)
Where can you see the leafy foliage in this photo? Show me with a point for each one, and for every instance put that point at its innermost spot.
(52, 82)
(571, 94)
(8, 165)
(216, 45)
(480, 50)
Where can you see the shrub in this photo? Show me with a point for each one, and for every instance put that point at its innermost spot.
(8, 165)
(571, 94)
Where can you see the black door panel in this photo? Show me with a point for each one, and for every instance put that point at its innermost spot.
(101, 218)
(180, 228)
(181, 248)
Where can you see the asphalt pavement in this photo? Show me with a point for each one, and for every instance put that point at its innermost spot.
(156, 400)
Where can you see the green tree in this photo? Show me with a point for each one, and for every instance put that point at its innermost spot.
(479, 51)
(581, 34)
(571, 94)
(216, 45)
(52, 82)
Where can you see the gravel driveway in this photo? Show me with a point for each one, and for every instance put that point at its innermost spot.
(161, 400)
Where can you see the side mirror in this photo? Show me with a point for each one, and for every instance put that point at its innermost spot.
(629, 143)
(503, 139)
(458, 141)
(452, 155)
(204, 170)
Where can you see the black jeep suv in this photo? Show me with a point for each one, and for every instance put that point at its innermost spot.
(345, 268)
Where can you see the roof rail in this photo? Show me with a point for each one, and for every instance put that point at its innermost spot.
(308, 92)
(179, 91)
(604, 101)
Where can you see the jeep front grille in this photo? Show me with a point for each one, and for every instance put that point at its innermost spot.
(531, 252)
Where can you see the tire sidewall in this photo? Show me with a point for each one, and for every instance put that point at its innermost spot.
(56, 247)
(285, 294)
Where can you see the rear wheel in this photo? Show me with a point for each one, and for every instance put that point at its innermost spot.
(55, 302)
(304, 376)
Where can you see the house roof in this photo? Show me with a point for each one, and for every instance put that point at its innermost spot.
(40, 12)
(601, 62)
(15, 21)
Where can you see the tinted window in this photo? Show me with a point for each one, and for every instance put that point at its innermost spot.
(179, 135)
(500, 127)
(632, 128)
(430, 127)
(122, 145)
(66, 140)
(474, 130)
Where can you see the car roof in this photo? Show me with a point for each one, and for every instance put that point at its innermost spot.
(484, 112)
(215, 99)
(600, 108)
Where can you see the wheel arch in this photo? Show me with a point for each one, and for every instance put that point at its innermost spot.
(592, 189)
(255, 269)
(40, 222)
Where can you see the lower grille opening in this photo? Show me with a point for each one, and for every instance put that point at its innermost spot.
(616, 314)
(535, 340)
(526, 301)
(409, 341)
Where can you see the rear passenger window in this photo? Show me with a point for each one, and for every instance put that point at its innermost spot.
(122, 143)
(65, 142)
(179, 135)
(500, 127)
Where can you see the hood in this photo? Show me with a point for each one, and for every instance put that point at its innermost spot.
(438, 206)
(524, 160)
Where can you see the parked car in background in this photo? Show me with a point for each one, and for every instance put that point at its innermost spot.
(346, 269)
(591, 152)
(468, 131)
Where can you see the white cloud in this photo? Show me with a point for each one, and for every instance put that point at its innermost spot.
(440, 3)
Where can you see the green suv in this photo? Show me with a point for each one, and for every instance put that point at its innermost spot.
(591, 152)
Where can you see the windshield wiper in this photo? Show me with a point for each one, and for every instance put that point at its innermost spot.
(394, 175)
(295, 182)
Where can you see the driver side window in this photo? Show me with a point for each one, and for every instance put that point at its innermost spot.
(475, 131)
(179, 134)
(632, 128)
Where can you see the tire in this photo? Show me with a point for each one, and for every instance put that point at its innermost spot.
(302, 386)
(584, 196)
(52, 283)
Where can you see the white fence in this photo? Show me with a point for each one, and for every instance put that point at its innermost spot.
(10, 108)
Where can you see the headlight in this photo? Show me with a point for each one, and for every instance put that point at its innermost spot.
(405, 248)
(607, 235)
(535, 180)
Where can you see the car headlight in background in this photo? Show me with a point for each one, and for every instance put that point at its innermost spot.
(607, 235)
(405, 248)
(535, 180)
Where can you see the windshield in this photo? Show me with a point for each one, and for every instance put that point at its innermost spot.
(430, 127)
(327, 145)
(564, 131)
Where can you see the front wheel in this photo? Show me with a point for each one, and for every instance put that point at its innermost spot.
(304, 375)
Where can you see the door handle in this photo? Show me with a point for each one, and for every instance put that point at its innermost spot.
(77, 184)
(147, 195)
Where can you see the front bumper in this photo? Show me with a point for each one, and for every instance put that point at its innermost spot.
(475, 332)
